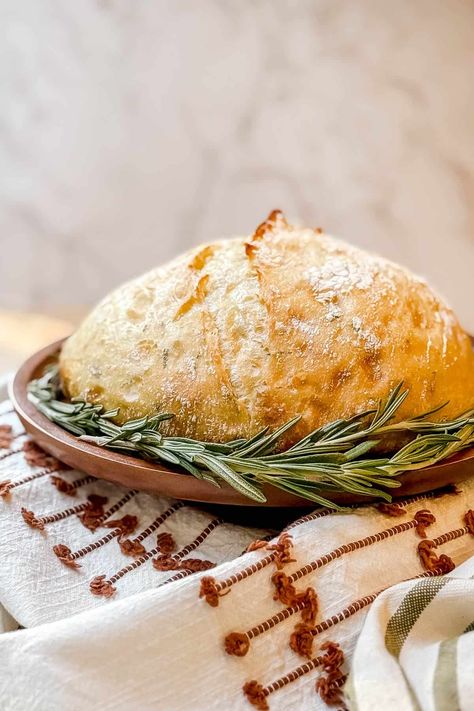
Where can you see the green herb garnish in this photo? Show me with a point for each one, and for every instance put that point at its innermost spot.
(333, 458)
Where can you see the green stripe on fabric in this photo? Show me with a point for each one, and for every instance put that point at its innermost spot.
(469, 628)
(445, 684)
(415, 601)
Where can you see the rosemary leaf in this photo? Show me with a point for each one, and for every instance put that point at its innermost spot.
(329, 459)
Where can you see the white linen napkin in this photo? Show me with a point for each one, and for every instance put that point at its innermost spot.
(128, 632)
(416, 648)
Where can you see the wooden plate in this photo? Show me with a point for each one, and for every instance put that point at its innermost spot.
(158, 479)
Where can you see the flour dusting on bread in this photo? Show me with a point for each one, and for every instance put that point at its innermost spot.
(245, 333)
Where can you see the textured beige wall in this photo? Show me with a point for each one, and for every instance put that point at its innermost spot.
(131, 130)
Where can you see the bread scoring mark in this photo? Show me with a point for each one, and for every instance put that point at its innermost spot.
(275, 219)
(197, 297)
(283, 294)
(250, 249)
(199, 260)
(197, 263)
(248, 288)
(211, 334)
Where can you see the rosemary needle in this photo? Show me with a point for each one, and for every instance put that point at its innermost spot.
(332, 458)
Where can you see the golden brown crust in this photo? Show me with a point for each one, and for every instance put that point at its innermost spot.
(245, 333)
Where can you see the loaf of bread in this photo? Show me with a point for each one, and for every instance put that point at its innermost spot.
(244, 333)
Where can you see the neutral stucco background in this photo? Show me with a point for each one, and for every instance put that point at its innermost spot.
(131, 130)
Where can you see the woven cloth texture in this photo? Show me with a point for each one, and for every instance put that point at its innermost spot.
(132, 601)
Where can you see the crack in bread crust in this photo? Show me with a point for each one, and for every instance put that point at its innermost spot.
(250, 332)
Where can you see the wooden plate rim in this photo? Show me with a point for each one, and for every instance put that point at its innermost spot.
(139, 474)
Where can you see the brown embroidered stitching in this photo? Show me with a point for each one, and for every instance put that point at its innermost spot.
(185, 573)
(429, 559)
(426, 549)
(256, 545)
(329, 686)
(32, 520)
(257, 694)
(65, 555)
(7, 486)
(100, 586)
(6, 436)
(37, 457)
(39, 522)
(165, 542)
(122, 526)
(299, 640)
(167, 562)
(196, 565)
(347, 612)
(239, 642)
(449, 489)
(469, 520)
(309, 517)
(116, 507)
(423, 518)
(70, 487)
(286, 593)
(282, 550)
(211, 590)
(311, 606)
(392, 509)
(127, 524)
(355, 545)
(134, 547)
(192, 565)
(10, 453)
(93, 514)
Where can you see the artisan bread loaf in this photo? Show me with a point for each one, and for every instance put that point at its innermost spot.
(244, 333)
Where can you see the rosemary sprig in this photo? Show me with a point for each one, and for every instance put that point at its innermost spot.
(333, 458)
